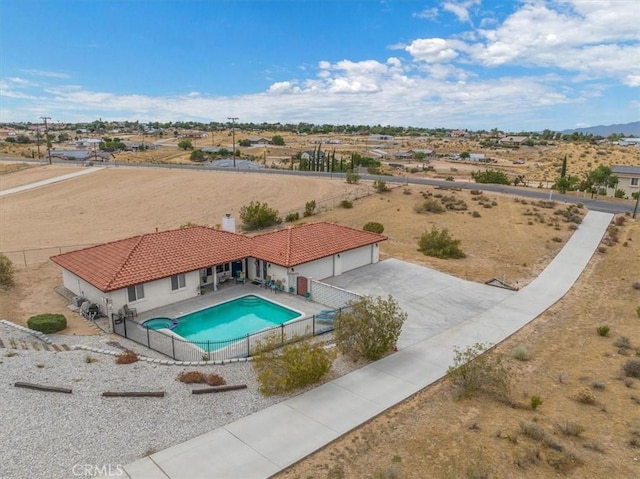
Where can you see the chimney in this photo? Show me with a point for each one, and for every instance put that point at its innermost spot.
(229, 223)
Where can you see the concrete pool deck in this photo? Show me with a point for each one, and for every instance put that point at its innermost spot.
(444, 313)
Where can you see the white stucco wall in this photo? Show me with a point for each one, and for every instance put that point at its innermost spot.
(357, 257)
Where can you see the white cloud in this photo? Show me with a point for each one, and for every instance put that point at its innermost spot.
(427, 13)
(460, 9)
(432, 50)
(48, 74)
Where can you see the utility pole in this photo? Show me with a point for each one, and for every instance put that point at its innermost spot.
(38, 140)
(233, 134)
(46, 136)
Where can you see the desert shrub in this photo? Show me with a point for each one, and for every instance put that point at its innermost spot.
(632, 368)
(570, 428)
(440, 244)
(620, 220)
(479, 192)
(407, 191)
(47, 323)
(599, 385)
(536, 402)
(374, 227)
(603, 330)
(89, 359)
(126, 357)
(346, 204)
(369, 327)
(521, 353)
(623, 342)
(453, 203)
(476, 214)
(258, 215)
(6, 272)
(292, 217)
(352, 177)
(309, 208)
(198, 377)
(557, 239)
(430, 206)
(602, 249)
(450, 178)
(473, 372)
(380, 186)
(638, 311)
(292, 366)
(636, 285)
(585, 396)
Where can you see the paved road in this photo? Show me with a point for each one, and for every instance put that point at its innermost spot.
(260, 445)
(602, 204)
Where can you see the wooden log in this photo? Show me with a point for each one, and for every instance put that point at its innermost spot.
(219, 389)
(133, 394)
(41, 387)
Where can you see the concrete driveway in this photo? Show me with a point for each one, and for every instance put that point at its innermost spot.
(433, 301)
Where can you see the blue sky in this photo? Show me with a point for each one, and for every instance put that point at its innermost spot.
(476, 64)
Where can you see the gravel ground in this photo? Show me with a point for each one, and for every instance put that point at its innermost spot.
(53, 435)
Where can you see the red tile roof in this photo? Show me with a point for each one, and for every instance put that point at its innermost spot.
(149, 257)
(302, 244)
(153, 256)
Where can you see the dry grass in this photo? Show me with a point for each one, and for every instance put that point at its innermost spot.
(127, 357)
(198, 377)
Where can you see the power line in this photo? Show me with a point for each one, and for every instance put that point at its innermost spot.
(233, 133)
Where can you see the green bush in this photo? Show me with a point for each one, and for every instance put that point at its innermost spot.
(440, 244)
(374, 227)
(603, 330)
(521, 353)
(430, 206)
(309, 208)
(369, 328)
(352, 177)
(380, 186)
(47, 323)
(346, 204)
(536, 401)
(474, 372)
(293, 366)
(258, 215)
(6, 272)
(632, 368)
(490, 176)
(292, 217)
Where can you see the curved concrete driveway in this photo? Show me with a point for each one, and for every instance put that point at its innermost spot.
(262, 444)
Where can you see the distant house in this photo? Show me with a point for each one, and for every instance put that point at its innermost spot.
(629, 142)
(425, 152)
(81, 155)
(310, 154)
(513, 140)
(381, 137)
(259, 141)
(457, 133)
(628, 179)
(158, 269)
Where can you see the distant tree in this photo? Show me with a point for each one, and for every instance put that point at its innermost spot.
(63, 137)
(197, 156)
(599, 179)
(490, 176)
(185, 144)
(244, 143)
(23, 139)
(277, 140)
(465, 155)
(373, 227)
(258, 215)
(529, 142)
(369, 327)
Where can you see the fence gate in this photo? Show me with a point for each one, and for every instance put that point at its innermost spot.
(303, 285)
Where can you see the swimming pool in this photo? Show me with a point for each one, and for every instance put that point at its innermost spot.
(233, 319)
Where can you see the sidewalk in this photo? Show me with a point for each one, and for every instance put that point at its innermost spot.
(49, 181)
(266, 442)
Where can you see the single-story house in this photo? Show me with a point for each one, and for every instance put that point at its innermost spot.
(259, 141)
(513, 140)
(628, 179)
(157, 269)
(81, 155)
(310, 154)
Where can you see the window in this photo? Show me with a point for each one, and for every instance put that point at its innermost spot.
(223, 268)
(209, 271)
(634, 181)
(178, 281)
(135, 292)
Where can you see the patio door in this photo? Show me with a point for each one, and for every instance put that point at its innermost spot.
(303, 285)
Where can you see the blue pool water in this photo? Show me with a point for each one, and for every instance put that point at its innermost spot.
(233, 319)
(159, 323)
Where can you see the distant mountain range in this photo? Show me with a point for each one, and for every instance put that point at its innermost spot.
(627, 129)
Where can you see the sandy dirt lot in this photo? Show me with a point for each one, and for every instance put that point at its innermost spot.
(431, 435)
(33, 173)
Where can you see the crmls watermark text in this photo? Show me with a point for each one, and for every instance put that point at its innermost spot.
(97, 470)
